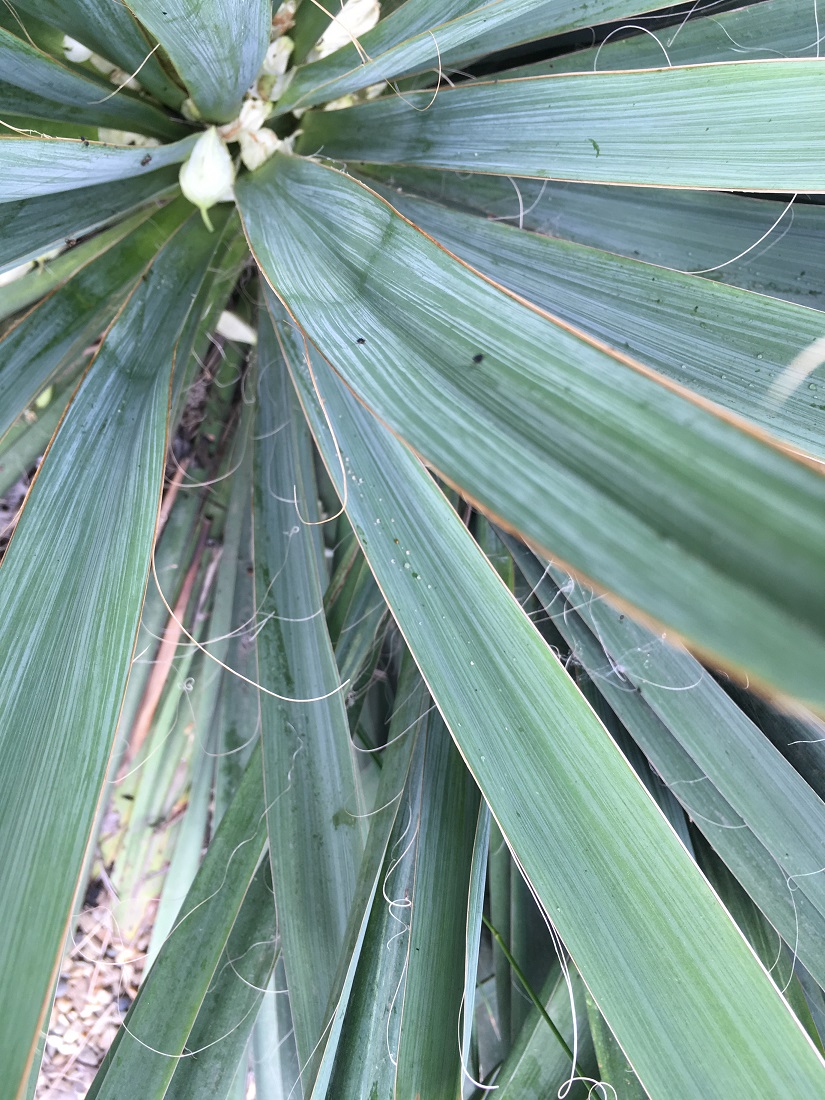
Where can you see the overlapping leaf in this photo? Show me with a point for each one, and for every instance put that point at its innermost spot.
(630, 481)
(621, 889)
(71, 588)
(689, 126)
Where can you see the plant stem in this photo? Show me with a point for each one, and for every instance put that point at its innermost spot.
(528, 989)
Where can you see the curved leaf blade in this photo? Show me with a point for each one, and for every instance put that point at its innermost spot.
(52, 273)
(759, 31)
(217, 48)
(76, 95)
(745, 833)
(309, 770)
(631, 481)
(112, 32)
(40, 166)
(43, 341)
(173, 1004)
(709, 233)
(29, 227)
(71, 588)
(684, 993)
(693, 126)
(428, 1061)
(419, 34)
(726, 344)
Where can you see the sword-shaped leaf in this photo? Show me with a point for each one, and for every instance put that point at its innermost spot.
(688, 1000)
(631, 480)
(747, 126)
(71, 588)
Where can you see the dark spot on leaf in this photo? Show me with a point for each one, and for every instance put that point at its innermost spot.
(146, 160)
(360, 340)
(478, 357)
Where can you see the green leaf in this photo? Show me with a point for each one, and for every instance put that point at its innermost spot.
(767, 30)
(227, 1016)
(30, 227)
(362, 962)
(148, 1049)
(501, 872)
(76, 314)
(695, 126)
(315, 834)
(277, 1072)
(630, 480)
(752, 848)
(538, 1066)
(354, 620)
(112, 32)
(216, 48)
(420, 34)
(42, 166)
(174, 550)
(752, 776)
(49, 274)
(775, 955)
(71, 588)
(757, 244)
(237, 466)
(12, 101)
(219, 279)
(74, 95)
(311, 20)
(614, 1067)
(364, 1032)
(800, 736)
(475, 909)
(25, 443)
(688, 1000)
(728, 345)
(428, 1062)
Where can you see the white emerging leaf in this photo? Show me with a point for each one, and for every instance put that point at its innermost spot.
(14, 273)
(124, 80)
(254, 114)
(284, 18)
(208, 175)
(75, 51)
(190, 111)
(277, 56)
(257, 147)
(125, 137)
(231, 327)
(102, 65)
(44, 400)
(355, 18)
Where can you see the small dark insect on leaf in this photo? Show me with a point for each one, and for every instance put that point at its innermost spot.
(478, 357)
(146, 160)
(360, 340)
(84, 140)
(71, 241)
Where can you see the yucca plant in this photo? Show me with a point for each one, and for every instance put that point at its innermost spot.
(476, 415)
